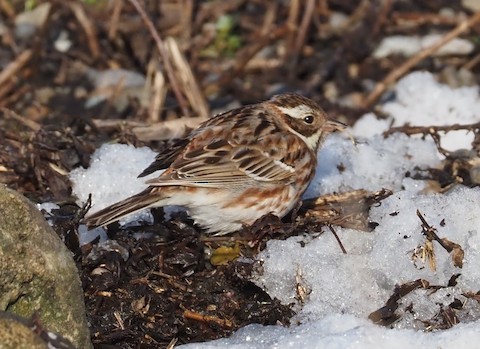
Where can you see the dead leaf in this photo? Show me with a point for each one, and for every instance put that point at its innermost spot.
(224, 254)
(348, 210)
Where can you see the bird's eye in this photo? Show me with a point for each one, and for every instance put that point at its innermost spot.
(308, 119)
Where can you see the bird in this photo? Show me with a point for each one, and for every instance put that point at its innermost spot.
(236, 167)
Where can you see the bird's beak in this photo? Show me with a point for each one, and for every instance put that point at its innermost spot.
(334, 125)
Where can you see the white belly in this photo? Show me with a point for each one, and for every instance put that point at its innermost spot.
(211, 212)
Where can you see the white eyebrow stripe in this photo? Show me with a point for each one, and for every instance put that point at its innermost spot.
(296, 112)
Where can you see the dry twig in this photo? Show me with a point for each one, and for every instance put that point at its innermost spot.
(27, 122)
(187, 79)
(155, 82)
(348, 210)
(146, 132)
(454, 249)
(395, 74)
(433, 132)
(13, 67)
(87, 25)
(7, 8)
(302, 30)
(338, 239)
(164, 54)
(172, 343)
(425, 130)
(192, 315)
(114, 20)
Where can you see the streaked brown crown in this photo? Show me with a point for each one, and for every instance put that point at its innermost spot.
(292, 100)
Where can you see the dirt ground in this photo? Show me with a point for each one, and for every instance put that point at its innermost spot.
(61, 98)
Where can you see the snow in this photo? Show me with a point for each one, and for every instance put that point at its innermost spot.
(343, 332)
(343, 289)
(410, 45)
(362, 280)
(111, 177)
(370, 164)
(421, 101)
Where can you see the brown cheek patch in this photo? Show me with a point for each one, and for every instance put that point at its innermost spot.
(301, 127)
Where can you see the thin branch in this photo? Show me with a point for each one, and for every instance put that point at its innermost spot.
(164, 54)
(338, 239)
(13, 67)
(114, 19)
(411, 130)
(433, 131)
(87, 26)
(207, 319)
(395, 74)
(302, 30)
(31, 124)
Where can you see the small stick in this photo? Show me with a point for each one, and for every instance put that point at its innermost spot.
(411, 130)
(172, 343)
(430, 232)
(338, 239)
(88, 27)
(13, 67)
(187, 314)
(302, 30)
(32, 125)
(114, 20)
(472, 63)
(293, 11)
(395, 74)
(10, 92)
(163, 52)
(433, 132)
(7, 8)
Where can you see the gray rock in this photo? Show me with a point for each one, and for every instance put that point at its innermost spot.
(37, 271)
(15, 334)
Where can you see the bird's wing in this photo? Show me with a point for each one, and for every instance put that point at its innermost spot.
(164, 159)
(215, 159)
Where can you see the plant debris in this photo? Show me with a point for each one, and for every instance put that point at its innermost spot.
(446, 315)
(455, 250)
(349, 209)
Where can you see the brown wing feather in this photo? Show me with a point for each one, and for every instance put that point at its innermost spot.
(164, 159)
(218, 154)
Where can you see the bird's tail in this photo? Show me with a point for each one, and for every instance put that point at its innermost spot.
(125, 207)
